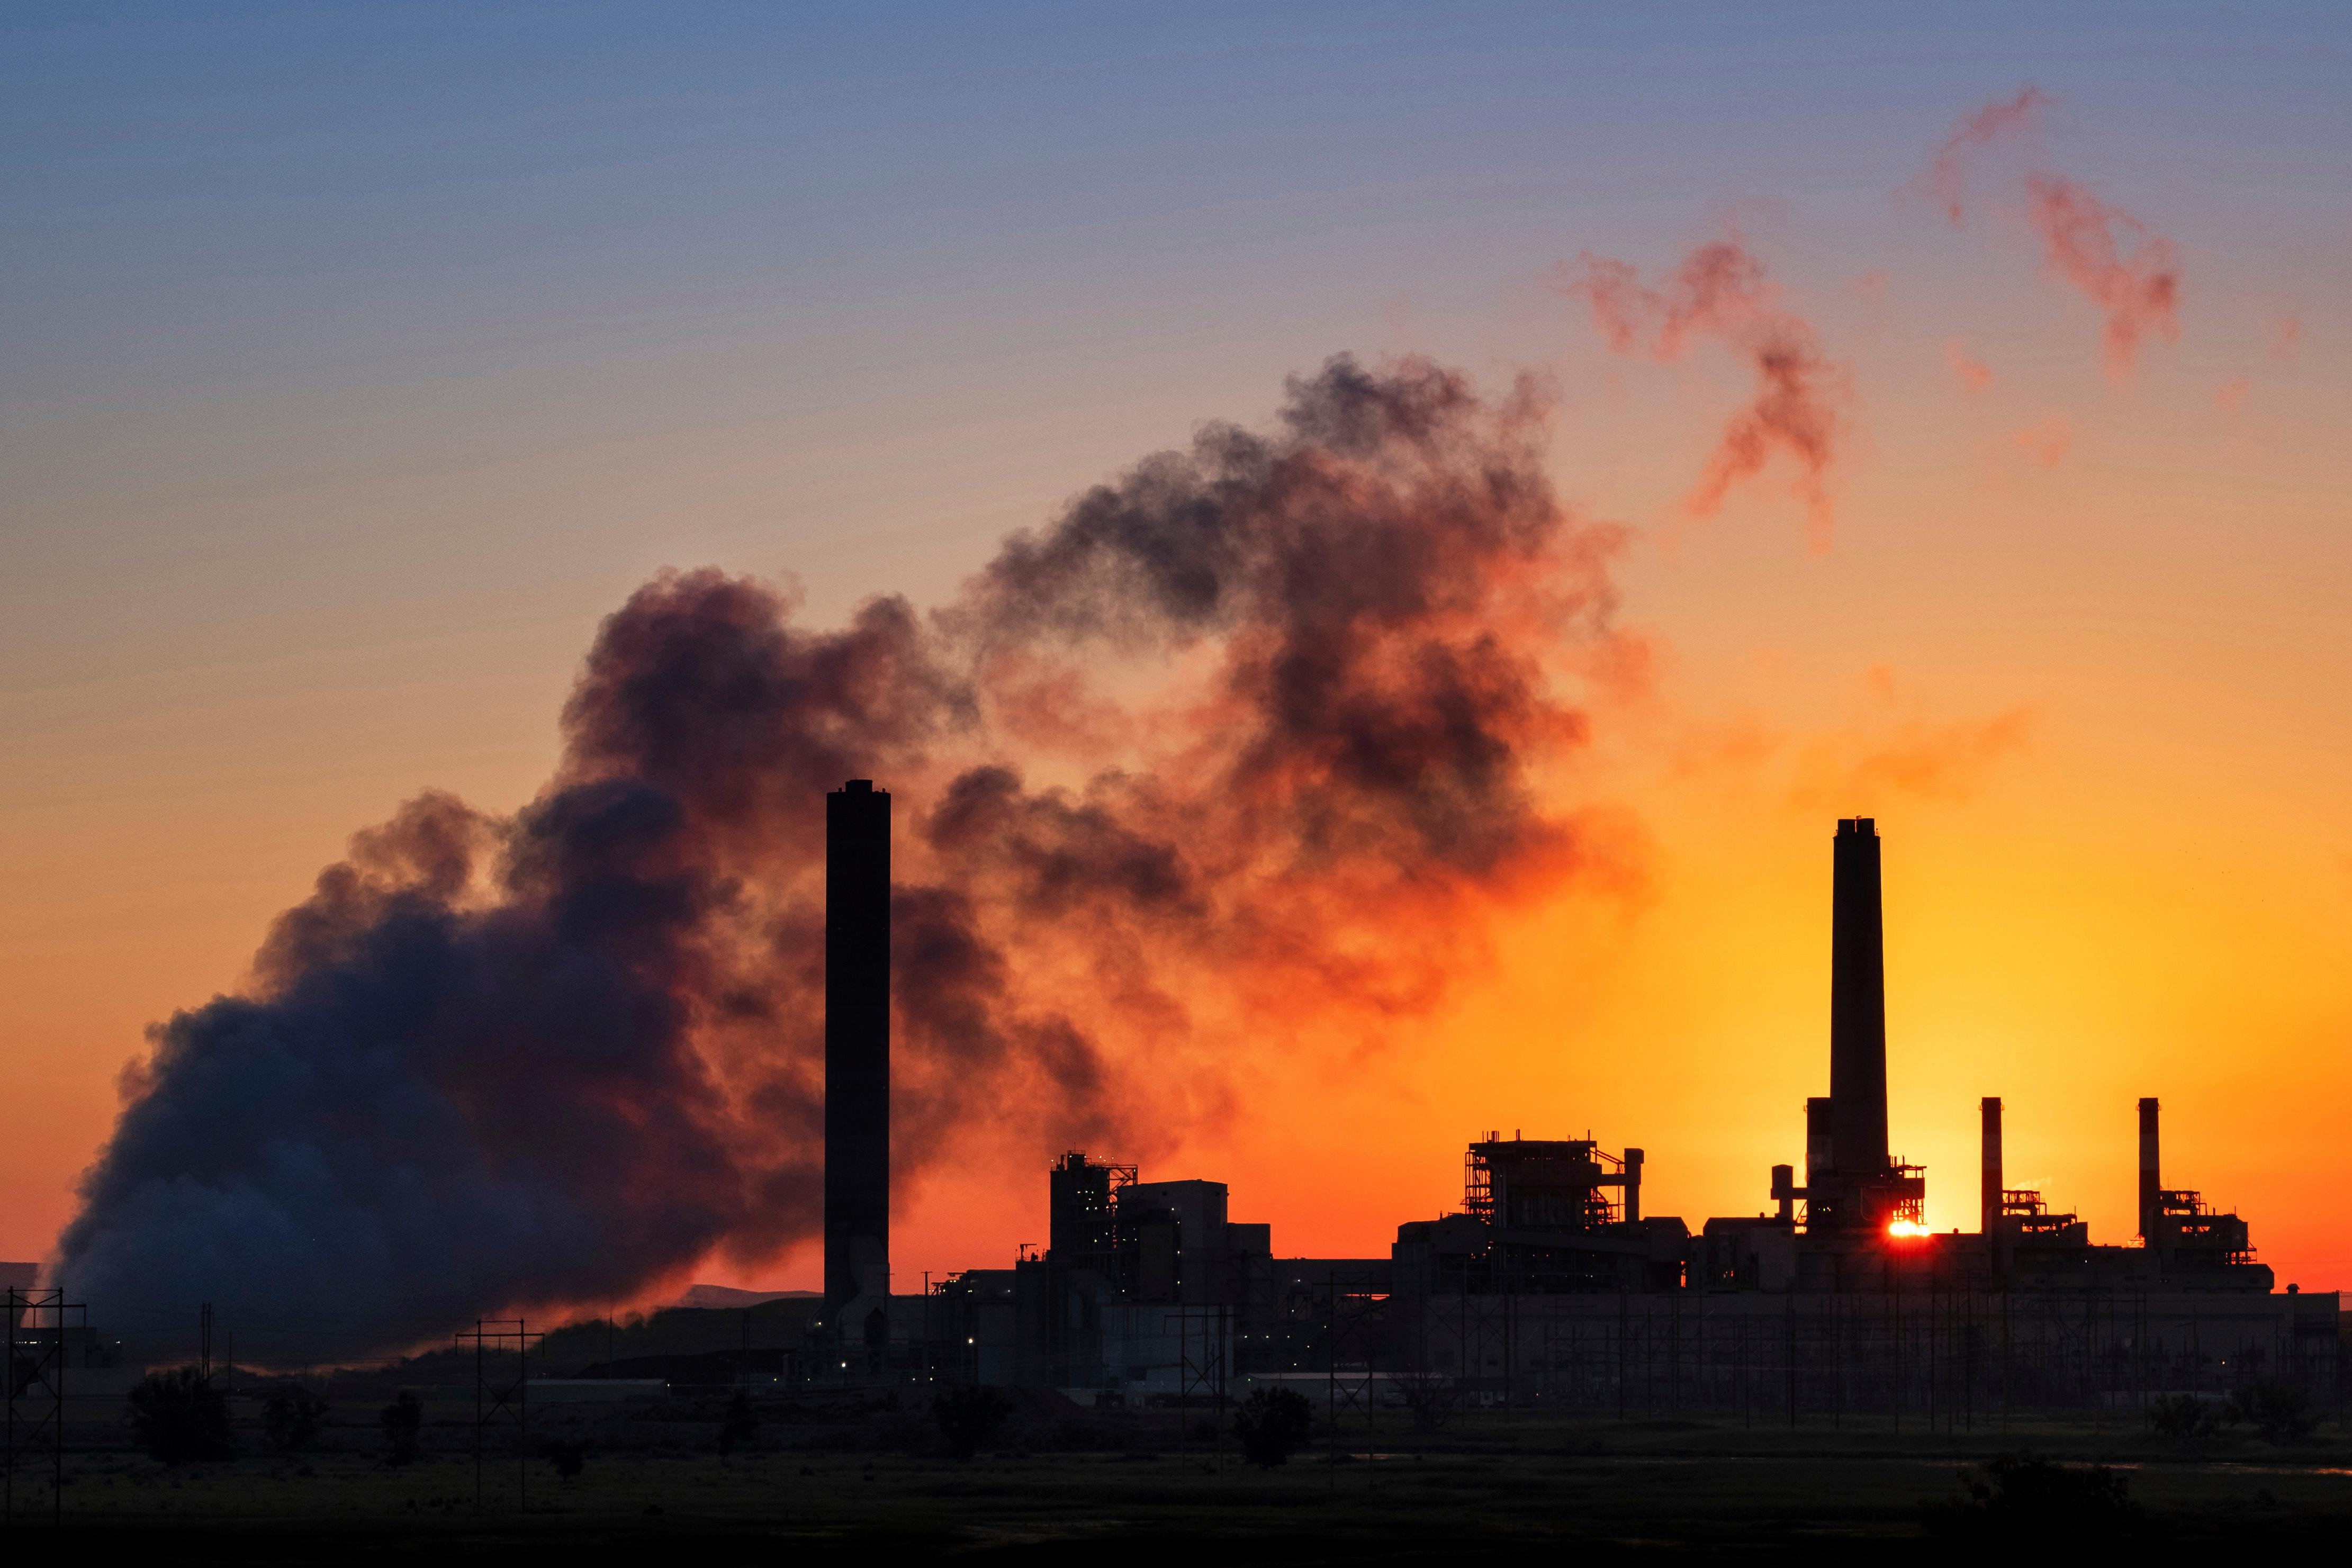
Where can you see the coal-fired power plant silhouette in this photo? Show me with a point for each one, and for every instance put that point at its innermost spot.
(857, 1057)
(1550, 1284)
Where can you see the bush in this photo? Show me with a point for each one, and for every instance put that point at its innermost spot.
(1272, 1423)
(968, 1416)
(739, 1425)
(2184, 1418)
(1430, 1397)
(2018, 1496)
(291, 1419)
(2277, 1413)
(569, 1459)
(180, 1415)
(404, 1429)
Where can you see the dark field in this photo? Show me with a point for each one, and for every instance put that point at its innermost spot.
(858, 1485)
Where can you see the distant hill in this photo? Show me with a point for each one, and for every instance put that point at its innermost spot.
(709, 1296)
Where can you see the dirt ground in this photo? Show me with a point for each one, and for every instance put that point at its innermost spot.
(811, 1494)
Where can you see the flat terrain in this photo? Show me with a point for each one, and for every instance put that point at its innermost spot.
(1665, 1488)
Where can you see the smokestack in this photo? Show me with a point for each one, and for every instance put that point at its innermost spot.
(1988, 1195)
(1632, 1187)
(1857, 1005)
(857, 1043)
(2151, 1180)
(1820, 1158)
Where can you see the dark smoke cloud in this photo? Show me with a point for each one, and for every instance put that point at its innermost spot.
(1249, 743)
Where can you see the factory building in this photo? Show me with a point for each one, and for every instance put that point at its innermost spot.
(1551, 1284)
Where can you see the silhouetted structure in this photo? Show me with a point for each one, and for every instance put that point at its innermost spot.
(1551, 1284)
(1989, 1183)
(1850, 1183)
(857, 1059)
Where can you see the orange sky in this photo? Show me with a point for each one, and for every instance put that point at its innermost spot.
(2079, 645)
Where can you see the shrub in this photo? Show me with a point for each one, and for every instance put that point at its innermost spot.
(291, 1419)
(1272, 1423)
(180, 1415)
(2017, 1497)
(739, 1425)
(2277, 1413)
(2184, 1418)
(404, 1429)
(569, 1459)
(1430, 1397)
(969, 1416)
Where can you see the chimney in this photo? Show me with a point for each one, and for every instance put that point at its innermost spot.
(1820, 1157)
(1990, 1194)
(1632, 1187)
(857, 1043)
(1857, 1004)
(2150, 1179)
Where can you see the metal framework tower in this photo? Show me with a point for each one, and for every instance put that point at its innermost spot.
(35, 1425)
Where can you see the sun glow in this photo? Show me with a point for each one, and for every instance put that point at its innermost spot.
(1905, 1228)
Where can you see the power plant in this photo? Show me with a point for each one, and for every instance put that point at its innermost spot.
(1551, 1284)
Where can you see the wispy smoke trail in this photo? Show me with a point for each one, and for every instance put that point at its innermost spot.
(1720, 291)
(1973, 374)
(1945, 178)
(2106, 255)
(1244, 745)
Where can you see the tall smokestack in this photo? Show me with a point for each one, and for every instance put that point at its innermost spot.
(1989, 1192)
(857, 1043)
(2151, 1179)
(1857, 1004)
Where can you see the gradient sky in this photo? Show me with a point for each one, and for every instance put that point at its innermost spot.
(359, 359)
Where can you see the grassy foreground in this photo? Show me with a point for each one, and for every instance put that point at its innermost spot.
(1665, 1489)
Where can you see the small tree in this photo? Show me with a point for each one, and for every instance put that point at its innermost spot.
(180, 1415)
(739, 1425)
(1272, 1423)
(404, 1429)
(291, 1419)
(569, 1459)
(969, 1416)
(2277, 1412)
(1430, 1397)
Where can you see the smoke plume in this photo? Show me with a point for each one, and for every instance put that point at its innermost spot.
(1720, 291)
(1247, 744)
(2106, 255)
(1973, 374)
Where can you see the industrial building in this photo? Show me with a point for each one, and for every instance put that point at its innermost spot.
(1552, 1287)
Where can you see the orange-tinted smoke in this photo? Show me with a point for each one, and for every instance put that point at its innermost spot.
(1720, 291)
(1974, 374)
(2106, 255)
(2132, 276)
(1946, 177)
(558, 1057)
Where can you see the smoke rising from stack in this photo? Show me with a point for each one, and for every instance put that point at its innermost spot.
(1256, 731)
